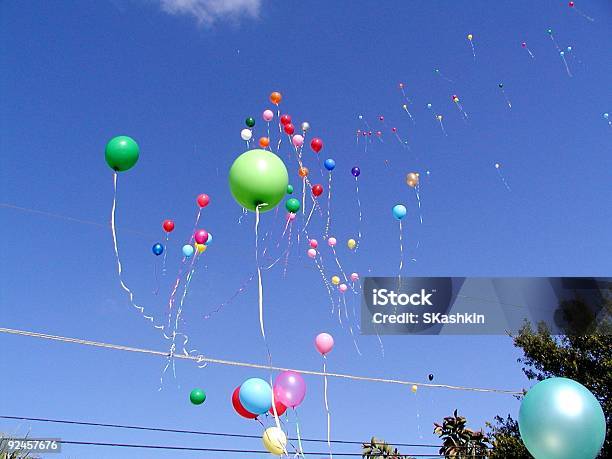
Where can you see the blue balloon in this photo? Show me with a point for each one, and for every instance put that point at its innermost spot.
(255, 396)
(158, 249)
(209, 240)
(330, 164)
(188, 250)
(561, 419)
(399, 211)
(606, 115)
(356, 171)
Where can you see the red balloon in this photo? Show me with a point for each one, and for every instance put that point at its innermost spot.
(201, 236)
(289, 128)
(317, 190)
(571, 4)
(316, 144)
(280, 408)
(285, 119)
(168, 226)
(238, 406)
(203, 200)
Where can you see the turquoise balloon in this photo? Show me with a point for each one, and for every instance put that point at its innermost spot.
(399, 211)
(255, 396)
(209, 240)
(561, 419)
(188, 250)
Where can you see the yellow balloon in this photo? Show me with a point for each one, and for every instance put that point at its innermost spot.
(469, 37)
(200, 247)
(414, 388)
(335, 280)
(351, 244)
(275, 441)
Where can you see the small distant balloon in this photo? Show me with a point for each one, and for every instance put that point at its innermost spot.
(335, 280)
(197, 396)
(351, 244)
(203, 200)
(316, 144)
(289, 189)
(267, 115)
(354, 277)
(209, 240)
(158, 249)
(430, 377)
(289, 128)
(292, 205)
(414, 388)
(121, 153)
(343, 288)
(313, 243)
(276, 97)
(470, 36)
(324, 343)
(246, 134)
(264, 142)
(201, 236)
(305, 126)
(250, 121)
(312, 253)
(168, 226)
(399, 211)
(317, 190)
(330, 164)
(331, 242)
(412, 179)
(297, 140)
(285, 119)
(188, 250)
(201, 248)
(303, 172)
(356, 172)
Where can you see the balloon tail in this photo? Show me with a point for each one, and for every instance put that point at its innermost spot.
(349, 324)
(442, 127)
(585, 16)
(473, 50)
(566, 66)
(327, 406)
(156, 291)
(259, 283)
(530, 53)
(289, 245)
(419, 204)
(165, 255)
(502, 177)
(329, 190)
(299, 436)
(409, 114)
(308, 219)
(401, 243)
(303, 195)
(360, 214)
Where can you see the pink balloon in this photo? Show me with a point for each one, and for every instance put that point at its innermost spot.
(324, 342)
(312, 253)
(354, 277)
(268, 115)
(289, 388)
(331, 241)
(201, 236)
(313, 243)
(290, 216)
(343, 288)
(297, 140)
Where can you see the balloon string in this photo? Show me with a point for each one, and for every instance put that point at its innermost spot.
(401, 265)
(156, 291)
(309, 216)
(349, 324)
(124, 286)
(419, 204)
(165, 255)
(327, 406)
(566, 66)
(329, 190)
(360, 215)
(473, 50)
(259, 286)
(297, 428)
(303, 195)
(442, 127)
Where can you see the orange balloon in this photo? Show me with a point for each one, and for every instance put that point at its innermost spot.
(303, 172)
(276, 97)
(264, 142)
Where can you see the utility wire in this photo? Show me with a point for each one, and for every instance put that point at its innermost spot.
(202, 359)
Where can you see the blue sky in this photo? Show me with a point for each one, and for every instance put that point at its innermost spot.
(181, 82)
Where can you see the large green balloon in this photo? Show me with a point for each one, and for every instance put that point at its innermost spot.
(561, 419)
(121, 153)
(258, 177)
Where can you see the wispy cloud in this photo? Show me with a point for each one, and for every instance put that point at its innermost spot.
(208, 11)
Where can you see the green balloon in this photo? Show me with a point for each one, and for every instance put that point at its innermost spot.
(121, 153)
(289, 189)
(250, 122)
(197, 396)
(292, 205)
(258, 177)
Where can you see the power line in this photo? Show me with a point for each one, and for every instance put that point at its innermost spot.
(193, 432)
(202, 359)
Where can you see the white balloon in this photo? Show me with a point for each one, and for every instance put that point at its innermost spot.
(246, 134)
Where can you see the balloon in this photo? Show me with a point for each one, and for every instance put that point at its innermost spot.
(168, 226)
(335, 280)
(289, 128)
(414, 388)
(305, 126)
(275, 441)
(399, 211)
(382, 118)
(188, 250)
(209, 240)
(297, 140)
(324, 342)
(256, 395)
(264, 142)
(121, 153)
(290, 216)
(201, 236)
(455, 98)
(312, 253)
(524, 45)
(430, 377)
(330, 164)
(158, 249)
(356, 171)
(549, 31)
(250, 122)
(412, 179)
(316, 144)
(331, 241)
(343, 288)
(258, 177)
(203, 200)
(285, 119)
(571, 4)
(238, 406)
(354, 277)
(197, 396)
(470, 36)
(428, 105)
(292, 205)
(289, 388)
(561, 419)
(280, 408)
(606, 115)
(317, 190)
(439, 117)
(351, 244)
(201, 248)
(268, 115)
(289, 189)
(246, 134)
(313, 243)
(276, 97)
(303, 172)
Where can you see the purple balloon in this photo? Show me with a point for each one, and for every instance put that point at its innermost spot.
(289, 388)
(355, 171)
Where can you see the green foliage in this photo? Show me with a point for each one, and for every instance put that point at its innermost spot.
(459, 442)
(506, 439)
(379, 449)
